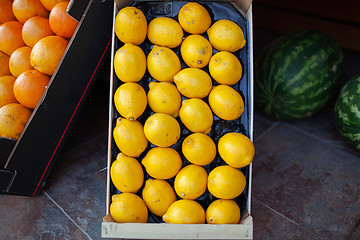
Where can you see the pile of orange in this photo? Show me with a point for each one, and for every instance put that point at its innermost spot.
(34, 35)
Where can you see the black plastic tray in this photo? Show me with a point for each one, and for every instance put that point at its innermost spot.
(217, 10)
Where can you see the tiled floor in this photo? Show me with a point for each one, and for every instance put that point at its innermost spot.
(306, 179)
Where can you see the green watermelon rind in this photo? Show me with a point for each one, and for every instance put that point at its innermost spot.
(297, 74)
(347, 111)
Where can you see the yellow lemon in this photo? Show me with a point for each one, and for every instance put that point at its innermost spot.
(194, 18)
(226, 102)
(196, 115)
(223, 211)
(131, 25)
(225, 68)
(190, 182)
(236, 149)
(163, 97)
(163, 64)
(162, 163)
(226, 35)
(185, 212)
(126, 174)
(193, 83)
(129, 63)
(165, 32)
(130, 100)
(158, 196)
(162, 130)
(199, 149)
(128, 208)
(129, 137)
(226, 182)
(196, 51)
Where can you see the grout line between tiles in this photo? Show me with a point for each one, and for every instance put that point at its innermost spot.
(288, 219)
(307, 133)
(335, 144)
(352, 232)
(67, 215)
(266, 131)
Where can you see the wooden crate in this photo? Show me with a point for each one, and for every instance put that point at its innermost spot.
(242, 230)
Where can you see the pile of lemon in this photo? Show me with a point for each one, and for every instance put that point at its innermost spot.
(177, 202)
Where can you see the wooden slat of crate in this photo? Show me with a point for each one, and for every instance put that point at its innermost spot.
(243, 230)
(284, 21)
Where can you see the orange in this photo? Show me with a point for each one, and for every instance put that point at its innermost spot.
(13, 118)
(20, 61)
(6, 13)
(49, 4)
(60, 22)
(25, 9)
(10, 37)
(29, 87)
(46, 54)
(6, 90)
(34, 29)
(4, 64)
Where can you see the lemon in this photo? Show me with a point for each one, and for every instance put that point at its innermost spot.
(185, 212)
(190, 182)
(236, 149)
(194, 18)
(126, 174)
(226, 182)
(131, 25)
(165, 32)
(226, 35)
(130, 100)
(128, 208)
(162, 163)
(129, 63)
(158, 196)
(162, 130)
(223, 211)
(163, 64)
(226, 102)
(163, 97)
(193, 83)
(196, 115)
(129, 137)
(225, 68)
(199, 149)
(196, 51)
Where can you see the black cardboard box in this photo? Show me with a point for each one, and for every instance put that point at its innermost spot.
(25, 164)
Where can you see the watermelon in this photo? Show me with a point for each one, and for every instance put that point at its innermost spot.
(297, 74)
(347, 111)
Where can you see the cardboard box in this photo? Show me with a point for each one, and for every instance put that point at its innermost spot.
(150, 230)
(26, 163)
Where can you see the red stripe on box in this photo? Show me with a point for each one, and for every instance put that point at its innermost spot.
(72, 116)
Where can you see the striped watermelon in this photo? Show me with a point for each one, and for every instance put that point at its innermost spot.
(347, 111)
(297, 74)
